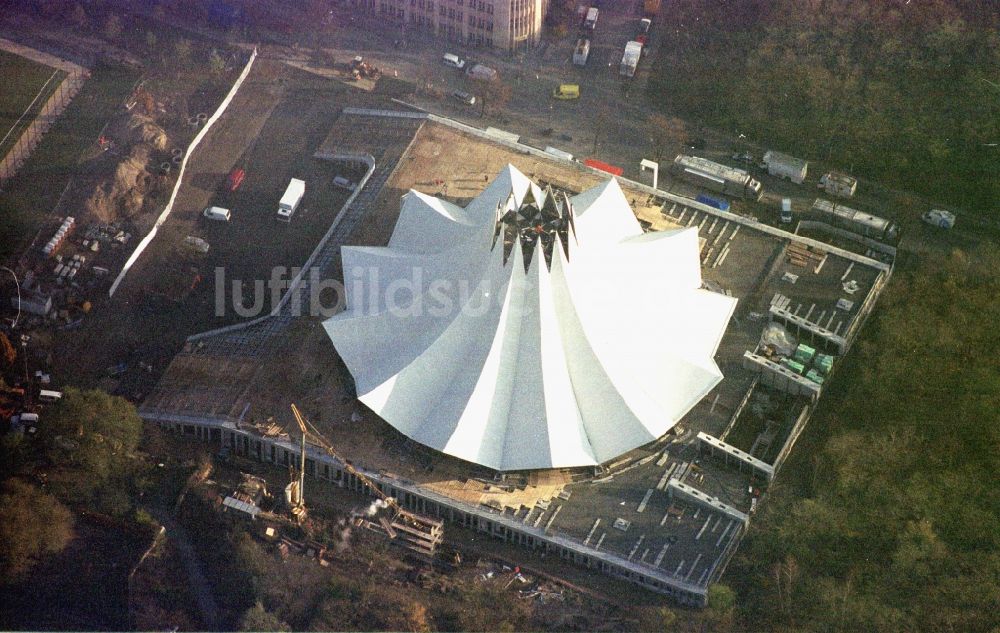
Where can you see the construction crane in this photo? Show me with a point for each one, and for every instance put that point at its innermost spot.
(420, 533)
(295, 493)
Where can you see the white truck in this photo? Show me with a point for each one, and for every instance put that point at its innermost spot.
(785, 166)
(590, 22)
(838, 184)
(483, 73)
(633, 50)
(291, 199)
(581, 52)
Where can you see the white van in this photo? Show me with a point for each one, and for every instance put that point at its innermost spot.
(454, 61)
(217, 213)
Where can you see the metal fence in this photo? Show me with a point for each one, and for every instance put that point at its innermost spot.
(28, 139)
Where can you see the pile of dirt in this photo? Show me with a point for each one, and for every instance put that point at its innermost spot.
(122, 196)
(132, 128)
(142, 129)
(139, 139)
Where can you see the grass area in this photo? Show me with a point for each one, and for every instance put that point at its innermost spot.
(27, 84)
(37, 186)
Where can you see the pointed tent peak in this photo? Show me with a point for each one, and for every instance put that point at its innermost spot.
(605, 191)
(603, 215)
(414, 200)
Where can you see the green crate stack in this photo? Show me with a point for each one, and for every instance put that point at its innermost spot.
(795, 366)
(823, 363)
(815, 376)
(804, 353)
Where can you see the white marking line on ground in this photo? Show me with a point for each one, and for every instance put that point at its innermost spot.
(678, 570)
(645, 500)
(724, 532)
(600, 540)
(636, 546)
(701, 579)
(663, 552)
(590, 534)
(707, 521)
(693, 566)
(847, 272)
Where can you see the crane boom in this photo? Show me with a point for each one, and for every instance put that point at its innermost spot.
(320, 441)
(419, 533)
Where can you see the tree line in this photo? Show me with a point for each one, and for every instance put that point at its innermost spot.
(904, 93)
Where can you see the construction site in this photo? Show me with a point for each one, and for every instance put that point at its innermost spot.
(668, 515)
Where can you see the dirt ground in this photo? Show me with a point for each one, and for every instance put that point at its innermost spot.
(271, 131)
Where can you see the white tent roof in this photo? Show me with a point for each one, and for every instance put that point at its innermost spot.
(526, 353)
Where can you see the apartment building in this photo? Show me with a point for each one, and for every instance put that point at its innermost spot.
(508, 25)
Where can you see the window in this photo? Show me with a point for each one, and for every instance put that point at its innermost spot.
(443, 10)
(472, 20)
(458, 14)
(451, 13)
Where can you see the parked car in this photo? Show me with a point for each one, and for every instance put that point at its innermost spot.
(464, 97)
(236, 178)
(567, 91)
(343, 183)
(217, 213)
(454, 61)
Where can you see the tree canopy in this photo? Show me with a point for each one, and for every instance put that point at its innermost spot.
(906, 93)
(32, 524)
(895, 523)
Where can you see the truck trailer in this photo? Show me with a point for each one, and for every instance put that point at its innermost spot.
(633, 50)
(785, 166)
(857, 222)
(721, 178)
(291, 199)
(581, 52)
(838, 184)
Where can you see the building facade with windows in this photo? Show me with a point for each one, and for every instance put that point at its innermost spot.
(508, 25)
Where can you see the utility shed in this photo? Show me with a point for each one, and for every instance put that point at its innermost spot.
(786, 166)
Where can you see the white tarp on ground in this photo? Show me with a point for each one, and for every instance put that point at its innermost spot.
(514, 362)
